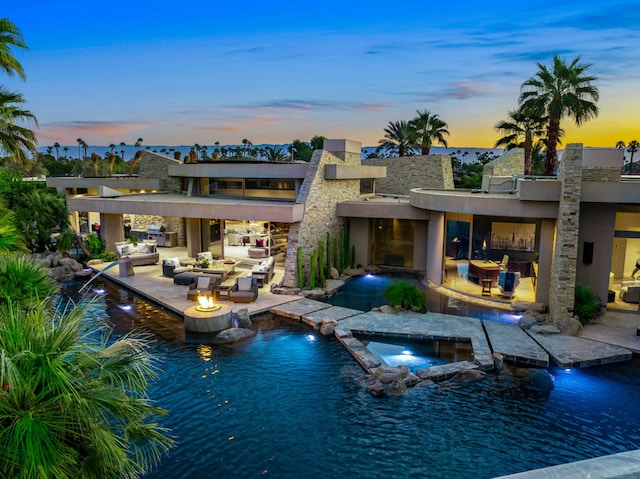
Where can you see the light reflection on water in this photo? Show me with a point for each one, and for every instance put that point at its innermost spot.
(282, 404)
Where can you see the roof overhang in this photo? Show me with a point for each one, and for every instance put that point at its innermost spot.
(190, 207)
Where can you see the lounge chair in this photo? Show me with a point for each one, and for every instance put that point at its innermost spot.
(507, 283)
(244, 291)
(203, 285)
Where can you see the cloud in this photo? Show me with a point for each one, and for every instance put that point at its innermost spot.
(91, 131)
(315, 105)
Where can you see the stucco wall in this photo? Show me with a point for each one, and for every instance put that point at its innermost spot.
(404, 173)
(320, 197)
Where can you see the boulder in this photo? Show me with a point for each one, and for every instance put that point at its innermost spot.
(334, 273)
(232, 335)
(244, 320)
(570, 326)
(385, 308)
(545, 329)
(521, 306)
(328, 326)
(533, 379)
(525, 322)
(411, 380)
(397, 387)
(386, 374)
(375, 387)
(62, 274)
(469, 375)
(498, 361)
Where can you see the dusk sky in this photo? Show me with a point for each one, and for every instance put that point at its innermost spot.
(199, 72)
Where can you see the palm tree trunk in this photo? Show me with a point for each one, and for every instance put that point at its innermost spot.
(528, 149)
(631, 164)
(552, 141)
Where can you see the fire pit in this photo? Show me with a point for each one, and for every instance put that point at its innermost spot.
(207, 317)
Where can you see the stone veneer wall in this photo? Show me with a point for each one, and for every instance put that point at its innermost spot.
(171, 223)
(565, 254)
(592, 173)
(320, 198)
(153, 165)
(510, 163)
(407, 172)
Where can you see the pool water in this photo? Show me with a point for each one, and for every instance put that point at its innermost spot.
(288, 403)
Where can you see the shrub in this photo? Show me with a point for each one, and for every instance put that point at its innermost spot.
(108, 257)
(95, 245)
(585, 305)
(406, 295)
(23, 280)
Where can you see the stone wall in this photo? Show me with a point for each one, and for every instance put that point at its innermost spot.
(591, 173)
(320, 198)
(171, 223)
(153, 165)
(510, 163)
(565, 254)
(407, 172)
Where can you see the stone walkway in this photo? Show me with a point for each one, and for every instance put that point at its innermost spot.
(512, 342)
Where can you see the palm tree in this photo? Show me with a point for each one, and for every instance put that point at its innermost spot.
(66, 151)
(112, 147)
(10, 35)
(56, 145)
(398, 138)
(138, 143)
(632, 147)
(82, 412)
(428, 129)
(10, 238)
(96, 159)
(521, 131)
(136, 157)
(122, 145)
(15, 139)
(563, 91)
(246, 144)
(50, 150)
(274, 154)
(112, 159)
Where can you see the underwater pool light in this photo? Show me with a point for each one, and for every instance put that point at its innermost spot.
(99, 290)
(125, 307)
(406, 352)
(311, 337)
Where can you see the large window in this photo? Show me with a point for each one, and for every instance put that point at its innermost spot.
(272, 188)
(392, 242)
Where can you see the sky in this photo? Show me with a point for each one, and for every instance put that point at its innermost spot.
(272, 72)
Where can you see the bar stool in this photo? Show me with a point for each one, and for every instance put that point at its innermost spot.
(486, 286)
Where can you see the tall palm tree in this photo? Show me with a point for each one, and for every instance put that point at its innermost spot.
(10, 36)
(428, 129)
(96, 159)
(136, 157)
(398, 138)
(122, 145)
(562, 91)
(112, 147)
(521, 130)
(112, 159)
(246, 144)
(56, 145)
(83, 411)
(138, 143)
(632, 147)
(15, 139)
(80, 141)
(66, 151)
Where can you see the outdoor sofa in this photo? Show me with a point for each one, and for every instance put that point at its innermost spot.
(143, 253)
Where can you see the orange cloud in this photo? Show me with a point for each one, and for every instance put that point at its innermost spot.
(97, 132)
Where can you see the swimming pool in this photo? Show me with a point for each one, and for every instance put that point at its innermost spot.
(287, 403)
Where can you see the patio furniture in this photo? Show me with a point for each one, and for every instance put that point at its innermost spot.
(264, 271)
(255, 252)
(203, 285)
(482, 269)
(171, 267)
(233, 239)
(245, 290)
(143, 253)
(507, 283)
(186, 278)
(503, 264)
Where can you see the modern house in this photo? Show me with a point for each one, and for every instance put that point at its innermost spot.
(581, 227)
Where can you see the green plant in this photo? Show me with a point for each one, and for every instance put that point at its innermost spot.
(314, 266)
(321, 262)
(108, 256)
(23, 280)
(133, 239)
(585, 304)
(299, 265)
(95, 245)
(406, 295)
(204, 263)
(328, 253)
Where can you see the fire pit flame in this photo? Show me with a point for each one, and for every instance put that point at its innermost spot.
(206, 303)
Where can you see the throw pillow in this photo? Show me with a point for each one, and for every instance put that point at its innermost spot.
(259, 243)
(244, 284)
(129, 249)
(143, 248)
(121, 250)
(203, 282)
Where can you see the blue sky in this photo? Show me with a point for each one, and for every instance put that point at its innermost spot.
(271, 72)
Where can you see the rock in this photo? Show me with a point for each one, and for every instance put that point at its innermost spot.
(539, 381)
(328, 326)
(375, 387)
(570, 326)
(498, 361)
(94, 261)
(385, 308)
(334, 274)
(426, 382)
(469, 375)
(244, 320)
(397, 387)
(411, 380)
(85, 273)
(74, 265)
(313, 293)
(544, 329)
(232, 335)
(62, 274)
(521, 306)
(343, 332)
(525, 322)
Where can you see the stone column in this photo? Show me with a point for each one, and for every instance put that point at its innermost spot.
(565, 255)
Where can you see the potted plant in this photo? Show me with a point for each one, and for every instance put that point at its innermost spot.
(205, 263)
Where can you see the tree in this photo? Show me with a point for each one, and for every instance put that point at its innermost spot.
(56, 145)
(138, 143)
(10, 36)
(427, 129)
(317, 142)
(275, 154)
(10, 238)
(66, 151)
(398, 138)
(562, 91)
(136, 157)
(521, 130)
(303, 150)
(632, 147)
(95, 158)
(122, 145)
(39, 213)
(73, 406)
(16, 140)
(246, 144)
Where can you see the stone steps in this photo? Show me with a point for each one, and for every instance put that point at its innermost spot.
(515, 345)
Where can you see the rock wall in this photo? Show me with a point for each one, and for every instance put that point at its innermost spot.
(594, 173)
(510, 163)
(171, 223)
(407, 172)
(565, 253)
(320, 198)
(153, 165)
